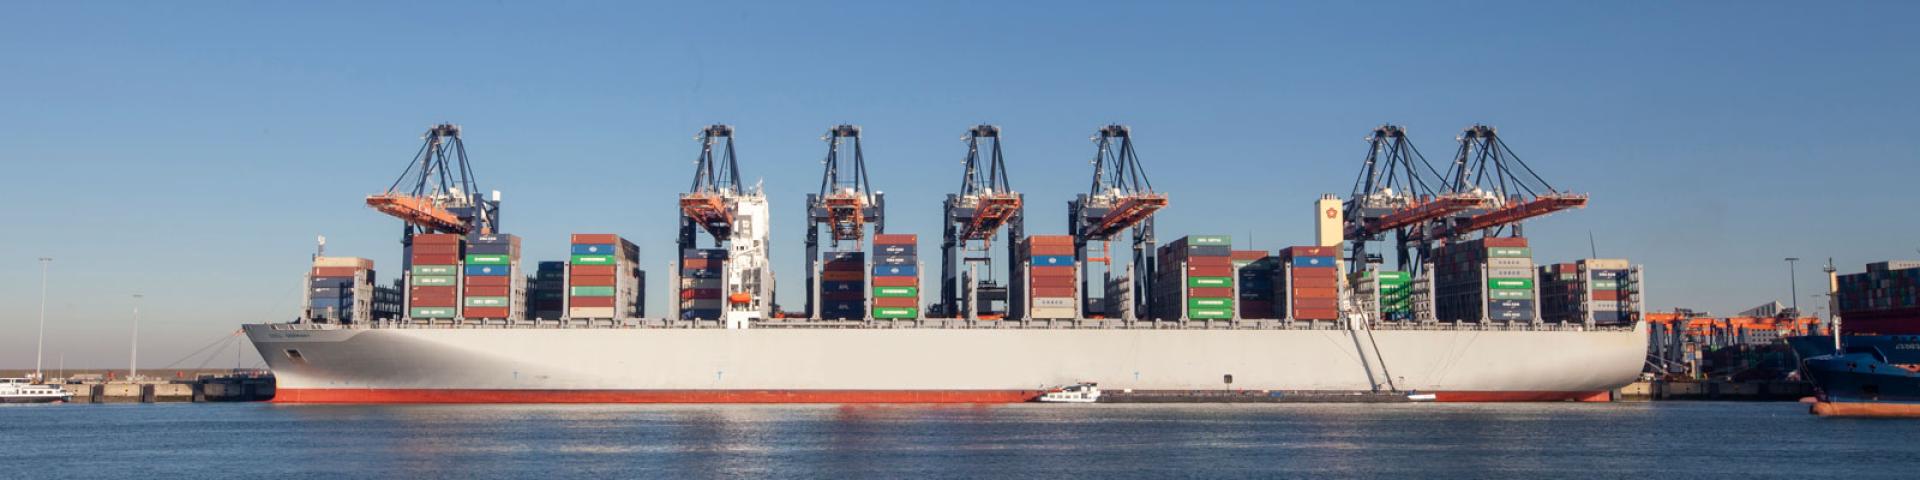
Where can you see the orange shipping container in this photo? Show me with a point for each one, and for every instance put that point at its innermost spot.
(484, 312)
(335, 271)
(436, 249)
(1504, 241)
(1210, 292)
(435, 301)
(1316, 293)
(436, 259)
(1197, 271)
(1210, 262)
(1316, 283)
(1054, 282)
(1316, 272)
(479, 291)
(901, 302)
(490, 281)
(896, 281)
(1066, 271)
(896, 239)
(1610, 295)
(436, 239)
(1066, 292)
(1051, 240)
(595, 239)
(1248, 254)
(1316, 303)
(1319, 314)
(589, 302)
(590, 281)
(1044, 250)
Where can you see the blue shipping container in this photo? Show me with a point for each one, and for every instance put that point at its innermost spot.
(336, 282)
(593, 249)
(1313, 261)
(1052, 260)
(488, 270)
(895, 270)
(491, 249)
(331, 292)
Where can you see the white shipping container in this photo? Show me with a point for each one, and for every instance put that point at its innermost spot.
(1509, 273)
(590, 312)
(1052, 312)
(1053, 302)
(342, 262)
(1605, 263)
(1526, 263)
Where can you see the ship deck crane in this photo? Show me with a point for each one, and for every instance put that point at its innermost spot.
(1397, 192)
(973, 217)
(846, 204)
(736, 217)
(1121, 199)
(438, 192)
(1509, 189)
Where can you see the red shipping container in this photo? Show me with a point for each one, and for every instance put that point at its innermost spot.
(843, 276)
(1198, 271)
(1322, 314)
(436, 259)
(1210, 262)
(694, 293)
(484, 312)
(1310, 252)
(431, 290)
(435, 301)
(844, 296)
(1324, 272)
(595, 239)
(697, 263)
(1053, 282)
(593, 270)
(1504, 241)
(1049, 272)
(896, 281)
(1049, 250)
(436, 249)
(490, 281)
(1316, 293)
(1053, 292)
(1050, 240)
(896, 239)
(479, 291)
(589, 301)
(590, 281)
(1316, 303)
(1316, 283)
(437, 239)
(1210, 292)
(1609, 295)
(900, 302)
(843, 267)
(335, 271)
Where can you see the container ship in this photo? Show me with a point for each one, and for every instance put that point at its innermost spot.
(1464, 314)
(1872, 368)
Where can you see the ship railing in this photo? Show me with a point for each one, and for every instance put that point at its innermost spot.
(943, 323)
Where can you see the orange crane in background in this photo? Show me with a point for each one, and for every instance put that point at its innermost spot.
(1121, 199)
(437, 193)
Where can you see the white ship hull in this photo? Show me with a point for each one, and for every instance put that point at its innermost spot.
(495, 365)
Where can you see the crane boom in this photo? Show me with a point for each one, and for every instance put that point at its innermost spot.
(438, 192)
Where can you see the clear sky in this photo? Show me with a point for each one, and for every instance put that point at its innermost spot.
(191, 152)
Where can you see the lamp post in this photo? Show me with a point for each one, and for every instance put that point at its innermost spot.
(133, 358)
(40, 343)
(1793, 283)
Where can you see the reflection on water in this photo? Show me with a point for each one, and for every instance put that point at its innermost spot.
(1155, 441)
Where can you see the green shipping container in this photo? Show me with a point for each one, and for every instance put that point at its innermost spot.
(1210, 240)
(592, 260)
(486, 259)
(1210, 313)
(896, 312)
(1508, 294)
(432, 312)
(1509, 252)
(1204, 282)
(1207, 303)
(896, 291)
(1605, 285)
(436, 270)
(1510, 283)
(433, 280)
(486, 301)
(591, 291)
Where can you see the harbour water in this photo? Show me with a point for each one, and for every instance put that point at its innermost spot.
(1645, 440)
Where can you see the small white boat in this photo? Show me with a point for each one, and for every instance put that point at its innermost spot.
(21, 390)
(1420, 397)
(1080, 393)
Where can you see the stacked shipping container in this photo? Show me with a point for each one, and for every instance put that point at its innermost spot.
(1392, 294)
(1490, 278)
(1052, 281)
(603, 277)
(433, 280)
(340, 289)
(896, 276)
(1606, 289)
(546, 297)
(843, 286)
(1195, 279)
(1310, 283)
(702, 283)
(1883, 300)
(492, 286)
(1254, 270)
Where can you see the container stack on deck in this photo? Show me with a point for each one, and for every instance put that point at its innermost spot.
(1254, 270)
(1309, 286)
(433, 286)
(1490, 278)
(603, 279)
(843, 286)
(1052, 281)
(1195, 279)
(1884, 300)
(491, 283)
(341, 289)
(702, 283)
(546, 297)
(1392, 294)
(1604, 289)
(896, 276)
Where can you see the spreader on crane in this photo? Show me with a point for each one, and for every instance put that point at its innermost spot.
(1121, 199)
(973, 218)
(845, 206)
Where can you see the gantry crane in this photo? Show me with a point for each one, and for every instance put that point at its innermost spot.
(736, 217)
(845, 205)
(1121, 199)
(1509, 190)
(1397, 192)
(438, 193)
(973, 218)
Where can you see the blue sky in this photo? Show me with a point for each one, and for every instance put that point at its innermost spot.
(191, 152)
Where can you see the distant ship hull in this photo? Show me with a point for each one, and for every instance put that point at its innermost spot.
(1862, 383)
(927, 365)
